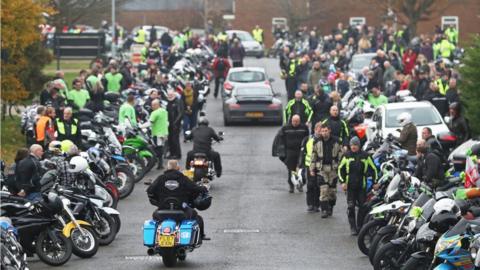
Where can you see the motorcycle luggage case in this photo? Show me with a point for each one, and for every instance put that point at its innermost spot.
(149, 231)
(189, 231)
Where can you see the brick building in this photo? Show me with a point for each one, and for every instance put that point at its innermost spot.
(321, 13)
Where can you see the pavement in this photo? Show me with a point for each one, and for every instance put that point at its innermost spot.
(254, 222)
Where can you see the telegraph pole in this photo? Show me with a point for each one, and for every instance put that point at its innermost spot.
(114, 45)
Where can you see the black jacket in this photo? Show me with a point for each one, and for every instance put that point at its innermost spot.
(75, 138)
(339, 129)
(430, 169)
(202, 138)
(166, 40)
(352, 169)
(321, 107)
(28, 172)
(174, 184)
(175, 112)
(459, 127)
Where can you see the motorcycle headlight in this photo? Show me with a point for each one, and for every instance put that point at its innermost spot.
(411, 225)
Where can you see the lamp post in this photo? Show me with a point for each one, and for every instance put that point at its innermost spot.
(114, 46)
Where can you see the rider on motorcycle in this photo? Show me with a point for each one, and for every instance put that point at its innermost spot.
(173, 184)
(202, 143)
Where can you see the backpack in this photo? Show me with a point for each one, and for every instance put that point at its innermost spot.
(221, 65)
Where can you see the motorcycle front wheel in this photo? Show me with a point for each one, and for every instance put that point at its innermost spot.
(125, 181)
(387, 257)
(106, 228)
(84, 245)
(367, 233)
(417, 263)
(53, 252)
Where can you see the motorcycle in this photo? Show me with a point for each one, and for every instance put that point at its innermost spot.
(12, 254)
(138, 150)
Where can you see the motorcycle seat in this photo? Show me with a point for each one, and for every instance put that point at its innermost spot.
(177, 215)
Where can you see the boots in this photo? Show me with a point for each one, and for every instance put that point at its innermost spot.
(353, 225)
(330, 209)
(325, 208)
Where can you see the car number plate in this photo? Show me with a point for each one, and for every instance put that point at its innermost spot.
(166, 240)
(254, 114)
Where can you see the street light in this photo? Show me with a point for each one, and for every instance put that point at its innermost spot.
(114, 48)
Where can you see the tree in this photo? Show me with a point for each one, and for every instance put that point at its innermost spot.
(21, 38)
(71, 12)
(413, 11)
(470, 85)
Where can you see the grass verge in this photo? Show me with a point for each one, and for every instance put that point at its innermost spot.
(11, 138)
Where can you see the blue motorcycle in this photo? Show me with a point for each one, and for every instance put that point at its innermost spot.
(173, 232)
(458, 248)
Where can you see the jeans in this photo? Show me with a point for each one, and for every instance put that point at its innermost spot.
(189, 121)
(218, 82)
(34, 196)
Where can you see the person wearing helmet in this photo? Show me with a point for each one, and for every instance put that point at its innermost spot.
(61, 153)
(408, 135)
(458, 124)
(353, 170)
(202, 137)
(326, 154)
(429, 167)
(173, 184)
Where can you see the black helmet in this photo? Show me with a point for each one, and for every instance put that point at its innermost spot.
(203, 201)
(475, 149)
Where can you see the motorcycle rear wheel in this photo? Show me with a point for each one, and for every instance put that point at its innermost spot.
(169, 257)
(417, 263)
(377, 243)
(125, 182)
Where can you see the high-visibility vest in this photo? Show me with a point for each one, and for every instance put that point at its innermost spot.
(308, 151)
(113, 82)
(140, 38)
(41, 127)
(61, 127)
(222, 37)
(442, 89)
(452, 35)
(446, 48)
(258, 34)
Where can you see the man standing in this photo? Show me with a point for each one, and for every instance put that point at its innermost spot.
(113, 80)
(127, 111)
(429, 166)
(220, 67)
(353, 170)
(298, 106)
(337, 126)
(258, 34)
(408, 134)
(314, 76)
(175, 115)
(458, 124)
(290, 138)
(28, 174)
(326, 154)
(68, 128)
(320, 103)
(376, 98)
(159, 124)
(313, 187)
(237, 53)
(291, 75)
(78, 96)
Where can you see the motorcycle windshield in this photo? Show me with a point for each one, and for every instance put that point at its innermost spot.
(393, 186)
(381, 150)
(460, 228)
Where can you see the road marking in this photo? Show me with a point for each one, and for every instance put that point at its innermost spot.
(241, 231)
(143, 258)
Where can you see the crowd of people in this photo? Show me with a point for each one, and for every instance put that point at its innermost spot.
(319, 148)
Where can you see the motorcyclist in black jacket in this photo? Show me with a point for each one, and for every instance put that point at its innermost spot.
(202, 143)
(173, 184)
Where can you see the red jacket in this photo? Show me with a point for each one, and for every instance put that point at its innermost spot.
(225, 70)
(408, 61)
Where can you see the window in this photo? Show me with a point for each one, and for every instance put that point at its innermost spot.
(421, 116)
(247, 91)
(247, 76)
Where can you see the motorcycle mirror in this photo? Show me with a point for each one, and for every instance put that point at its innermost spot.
(221, 133)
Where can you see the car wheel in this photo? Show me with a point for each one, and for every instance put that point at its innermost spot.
(226, 122)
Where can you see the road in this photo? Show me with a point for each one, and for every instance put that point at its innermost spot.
(254, 222)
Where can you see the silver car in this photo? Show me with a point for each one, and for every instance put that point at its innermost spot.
(244, 76)
(251, 46)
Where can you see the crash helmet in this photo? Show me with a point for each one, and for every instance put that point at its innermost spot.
(77, 164)
(203, 201)
(55, 147)
(65, 145)
(404, 118)
(203, 121)
(446, 205)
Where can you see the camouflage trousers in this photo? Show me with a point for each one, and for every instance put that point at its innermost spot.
(327, 179)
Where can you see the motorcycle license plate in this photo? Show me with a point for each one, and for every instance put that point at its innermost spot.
(254, 114)
(166, 240)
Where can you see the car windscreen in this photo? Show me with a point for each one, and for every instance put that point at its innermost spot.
(361, 61)
(243, 36)
(421, 116)
(253, 91)
(247, 76)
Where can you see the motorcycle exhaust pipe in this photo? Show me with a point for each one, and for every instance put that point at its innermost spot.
(151, 252)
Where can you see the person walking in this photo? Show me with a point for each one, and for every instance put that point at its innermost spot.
(353, 170)
(159, 125)
(237, 53)
(326, 154)
(220, 66)
(298, 106)
(289, 139)
(313, 187)
(175, 115)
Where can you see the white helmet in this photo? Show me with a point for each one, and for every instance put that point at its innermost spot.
(296, 178)
(446, 205)
(404, 118)
(77, 164)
